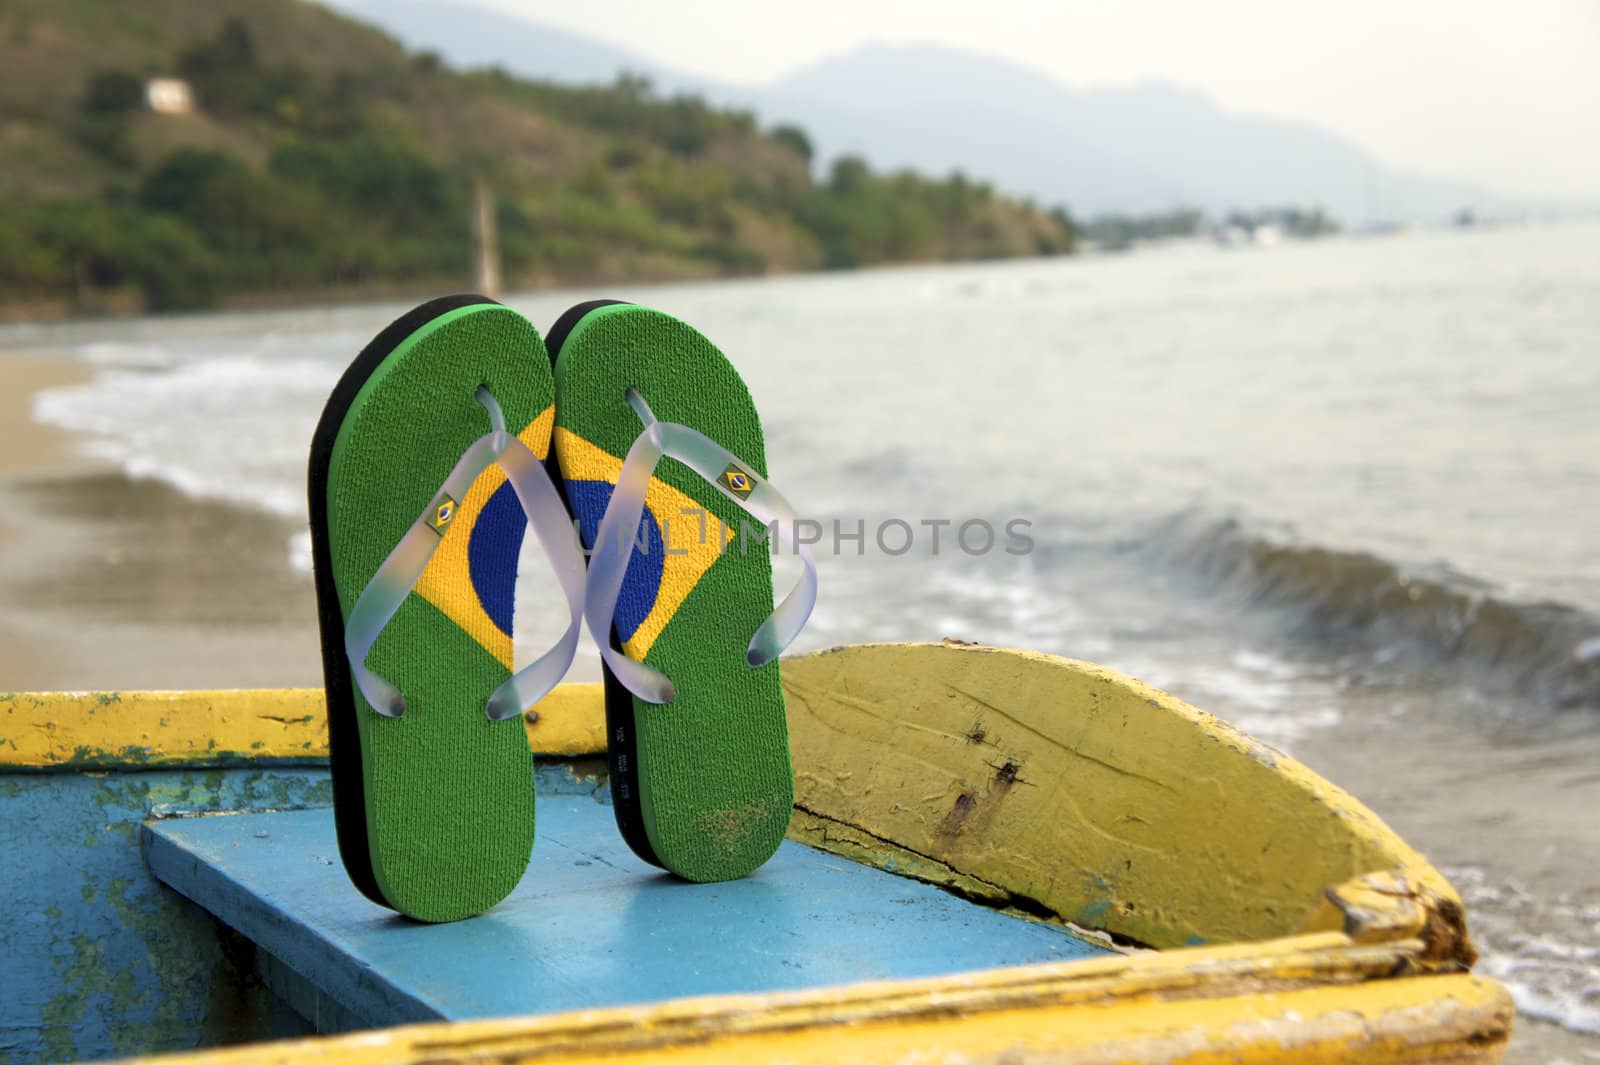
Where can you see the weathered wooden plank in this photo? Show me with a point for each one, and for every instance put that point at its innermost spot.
(590, 925)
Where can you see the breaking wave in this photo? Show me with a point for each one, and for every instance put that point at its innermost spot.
(1423, 617)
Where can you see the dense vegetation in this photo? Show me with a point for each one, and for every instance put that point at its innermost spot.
(322, 154)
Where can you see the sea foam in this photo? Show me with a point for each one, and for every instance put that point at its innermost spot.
(233, 429)
(1553, 974)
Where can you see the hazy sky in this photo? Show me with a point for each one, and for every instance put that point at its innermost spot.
(1505, 93)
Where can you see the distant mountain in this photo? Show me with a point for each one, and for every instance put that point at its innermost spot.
(468, 35)
(1140, 148)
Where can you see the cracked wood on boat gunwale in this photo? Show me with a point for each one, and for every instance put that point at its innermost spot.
(1074, 791)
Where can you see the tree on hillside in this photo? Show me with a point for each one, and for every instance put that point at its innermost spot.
(233, 49)
(229, 78)
(795, 139)
(102, 125)
(113, 92)
(850, 175)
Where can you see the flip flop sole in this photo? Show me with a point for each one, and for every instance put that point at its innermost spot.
(622, 766)
(435, 808)
(710, 779)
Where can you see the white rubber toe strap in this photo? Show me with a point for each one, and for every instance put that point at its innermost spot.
(614, 544)
(394, 580)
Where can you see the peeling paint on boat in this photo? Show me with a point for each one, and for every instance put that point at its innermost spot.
(1052, 788)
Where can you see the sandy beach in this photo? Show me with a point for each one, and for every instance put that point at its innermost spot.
(111, 582)
(28, 449)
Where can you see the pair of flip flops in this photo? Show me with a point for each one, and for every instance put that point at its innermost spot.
(432, 459)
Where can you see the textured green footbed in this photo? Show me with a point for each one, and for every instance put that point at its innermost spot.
(715, 784)
(449, 793)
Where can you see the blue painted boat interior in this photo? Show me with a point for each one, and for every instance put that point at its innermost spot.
(98, 958)
(590, 925)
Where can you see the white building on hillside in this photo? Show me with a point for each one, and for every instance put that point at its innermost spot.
(168, 96)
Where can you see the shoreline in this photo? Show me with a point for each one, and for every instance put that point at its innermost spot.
(128, 583)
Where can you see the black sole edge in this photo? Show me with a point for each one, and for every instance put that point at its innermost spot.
(344, 737)
(622, 766)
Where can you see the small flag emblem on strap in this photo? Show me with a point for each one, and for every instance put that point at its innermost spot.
(444, 510)
(737, 480)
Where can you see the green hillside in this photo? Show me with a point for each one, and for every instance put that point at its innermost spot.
(322, 157)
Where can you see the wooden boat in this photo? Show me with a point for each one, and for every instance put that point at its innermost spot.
(963, 815)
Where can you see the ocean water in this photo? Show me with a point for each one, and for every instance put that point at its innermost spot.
(1316, 487)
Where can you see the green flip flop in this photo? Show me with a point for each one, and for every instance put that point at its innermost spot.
(426, 470)
(679, 593)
